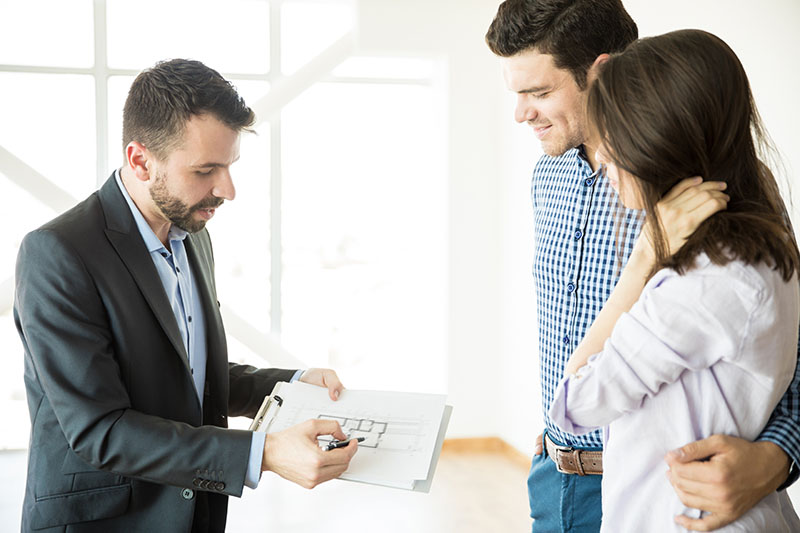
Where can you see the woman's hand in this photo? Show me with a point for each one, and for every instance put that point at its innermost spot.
(681, 211)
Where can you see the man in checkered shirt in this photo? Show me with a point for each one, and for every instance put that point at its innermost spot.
(551, 50)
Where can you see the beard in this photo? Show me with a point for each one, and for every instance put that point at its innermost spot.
(175, 209)
(559, 145)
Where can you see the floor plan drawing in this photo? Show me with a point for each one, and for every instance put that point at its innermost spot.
(402, 431)
(388, 435)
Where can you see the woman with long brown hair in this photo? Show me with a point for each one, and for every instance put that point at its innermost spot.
(699, 336)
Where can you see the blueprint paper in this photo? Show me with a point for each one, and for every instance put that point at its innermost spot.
(400, 429)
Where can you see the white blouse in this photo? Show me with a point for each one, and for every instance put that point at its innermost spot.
(708, 352)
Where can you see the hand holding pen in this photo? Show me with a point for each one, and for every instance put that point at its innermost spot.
(332, 445)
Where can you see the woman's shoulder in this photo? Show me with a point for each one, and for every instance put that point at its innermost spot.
(753, 282)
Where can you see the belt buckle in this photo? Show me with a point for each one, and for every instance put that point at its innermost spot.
(559, 450)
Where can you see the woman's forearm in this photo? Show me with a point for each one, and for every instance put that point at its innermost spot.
(625, 294)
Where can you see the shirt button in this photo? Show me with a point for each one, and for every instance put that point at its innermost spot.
(190, 319)
(187, 494)
(164, 255)
(589, 182)
(178, 269)
(570, 287)
(578, 235)
(566, 339)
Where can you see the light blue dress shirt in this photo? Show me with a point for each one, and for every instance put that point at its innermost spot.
(184, 298)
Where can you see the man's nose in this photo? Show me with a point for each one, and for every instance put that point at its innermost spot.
(223, 187)
(524, 110)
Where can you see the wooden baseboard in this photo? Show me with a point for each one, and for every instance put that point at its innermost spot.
(487, 445)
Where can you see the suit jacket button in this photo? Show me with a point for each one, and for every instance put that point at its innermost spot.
(187, 494)
(196, 482)
(219, 485)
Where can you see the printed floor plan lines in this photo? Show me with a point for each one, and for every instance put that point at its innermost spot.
(387, 435)
(402, 431)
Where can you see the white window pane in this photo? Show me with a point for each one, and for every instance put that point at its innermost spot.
(386, 67)
(364, 233)
(251, 90)
(231, 36)
(240, 233)
(308, 28)
(242, 354)
(49, 123)
(47, 33)
(16, 420)
(20, 214)
(118, 87)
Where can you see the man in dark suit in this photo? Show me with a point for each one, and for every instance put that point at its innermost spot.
(128, 383)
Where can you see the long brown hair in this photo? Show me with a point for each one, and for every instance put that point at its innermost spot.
(680, 105)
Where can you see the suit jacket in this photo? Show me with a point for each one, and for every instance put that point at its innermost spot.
(119, 441)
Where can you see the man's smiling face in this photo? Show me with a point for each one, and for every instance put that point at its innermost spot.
(548, 98)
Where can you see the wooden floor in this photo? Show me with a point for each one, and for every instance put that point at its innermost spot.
(473, 492)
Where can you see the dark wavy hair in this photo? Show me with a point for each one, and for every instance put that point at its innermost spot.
(679, 105)
(163, 98)
(574, 32)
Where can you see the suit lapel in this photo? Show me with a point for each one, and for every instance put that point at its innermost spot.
(124, 236)
(198, 251)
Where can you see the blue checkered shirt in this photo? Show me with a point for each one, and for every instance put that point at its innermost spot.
(583, 239)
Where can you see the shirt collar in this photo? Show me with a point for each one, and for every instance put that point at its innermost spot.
(148, 235)
(580, 155)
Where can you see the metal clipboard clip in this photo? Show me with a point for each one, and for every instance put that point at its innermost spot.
(266, 413)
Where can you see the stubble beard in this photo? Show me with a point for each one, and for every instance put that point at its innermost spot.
(560, 146)
(175, 209)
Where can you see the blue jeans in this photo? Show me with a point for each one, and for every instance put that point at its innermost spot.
(562, 502)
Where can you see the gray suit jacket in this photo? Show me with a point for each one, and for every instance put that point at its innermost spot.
(118, 439)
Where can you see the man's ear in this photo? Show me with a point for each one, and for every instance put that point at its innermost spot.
(138, 159)
(594, 70)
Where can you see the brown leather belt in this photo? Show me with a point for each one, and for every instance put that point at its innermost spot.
(569, 460)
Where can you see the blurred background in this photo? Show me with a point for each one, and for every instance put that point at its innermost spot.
(384, 196)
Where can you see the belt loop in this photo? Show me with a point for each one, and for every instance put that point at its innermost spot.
(544, 444)
(576, 454)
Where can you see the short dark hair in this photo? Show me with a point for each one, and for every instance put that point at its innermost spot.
(679, 105)
(574, 32)
(163, 98)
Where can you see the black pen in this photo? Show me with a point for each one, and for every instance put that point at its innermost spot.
(342, 443)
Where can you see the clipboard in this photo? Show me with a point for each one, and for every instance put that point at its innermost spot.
(266, 413)
(292, 403)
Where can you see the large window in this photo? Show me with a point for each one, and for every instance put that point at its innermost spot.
(340, 193)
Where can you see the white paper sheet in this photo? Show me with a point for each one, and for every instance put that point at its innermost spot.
(401, 429)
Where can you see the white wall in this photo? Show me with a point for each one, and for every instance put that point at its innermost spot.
(453, 31)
